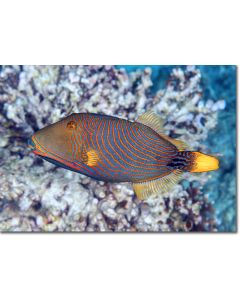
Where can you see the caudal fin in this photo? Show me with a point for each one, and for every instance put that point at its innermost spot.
(203, 162)
(191, 161)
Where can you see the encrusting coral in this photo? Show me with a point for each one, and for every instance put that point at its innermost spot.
(38, 196)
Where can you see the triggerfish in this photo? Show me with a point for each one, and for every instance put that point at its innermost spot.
(116, 150)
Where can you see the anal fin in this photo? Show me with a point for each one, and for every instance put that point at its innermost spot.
(161, 185)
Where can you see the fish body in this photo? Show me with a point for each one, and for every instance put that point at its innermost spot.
(116, 150)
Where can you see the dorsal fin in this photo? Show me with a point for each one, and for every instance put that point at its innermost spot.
(179, 144)
(153, 121)
(161, 185)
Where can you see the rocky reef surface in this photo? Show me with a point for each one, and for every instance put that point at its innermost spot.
(38, 196)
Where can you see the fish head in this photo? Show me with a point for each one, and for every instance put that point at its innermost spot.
(55, 141)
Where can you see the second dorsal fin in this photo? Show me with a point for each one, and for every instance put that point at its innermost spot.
(153, 121)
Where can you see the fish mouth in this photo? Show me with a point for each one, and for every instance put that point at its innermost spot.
(33, 146)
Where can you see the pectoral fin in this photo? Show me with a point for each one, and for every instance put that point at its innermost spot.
(93, 158)
(161, 185)
(89, 157)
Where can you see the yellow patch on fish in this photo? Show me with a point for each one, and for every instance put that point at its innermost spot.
(204, 162)
(93, 158)
(89, 157)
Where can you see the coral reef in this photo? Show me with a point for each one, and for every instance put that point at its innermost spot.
(38, 196)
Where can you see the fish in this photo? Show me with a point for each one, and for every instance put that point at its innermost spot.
(112, 149)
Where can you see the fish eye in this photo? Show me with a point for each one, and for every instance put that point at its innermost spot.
(71, 125)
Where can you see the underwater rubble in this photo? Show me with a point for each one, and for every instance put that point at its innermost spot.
(38, 196)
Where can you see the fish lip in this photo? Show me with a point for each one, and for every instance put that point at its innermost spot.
(31, 144)
(37, 152)
(34, 146)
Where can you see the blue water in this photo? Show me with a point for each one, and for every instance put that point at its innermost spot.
(218, 82)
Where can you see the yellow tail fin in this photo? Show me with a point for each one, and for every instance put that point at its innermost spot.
(204, 162)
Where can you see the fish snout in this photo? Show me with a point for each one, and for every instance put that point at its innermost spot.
(31, 144)
(35, 147)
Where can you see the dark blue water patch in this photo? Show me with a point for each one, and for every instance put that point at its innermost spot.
(217, 82)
